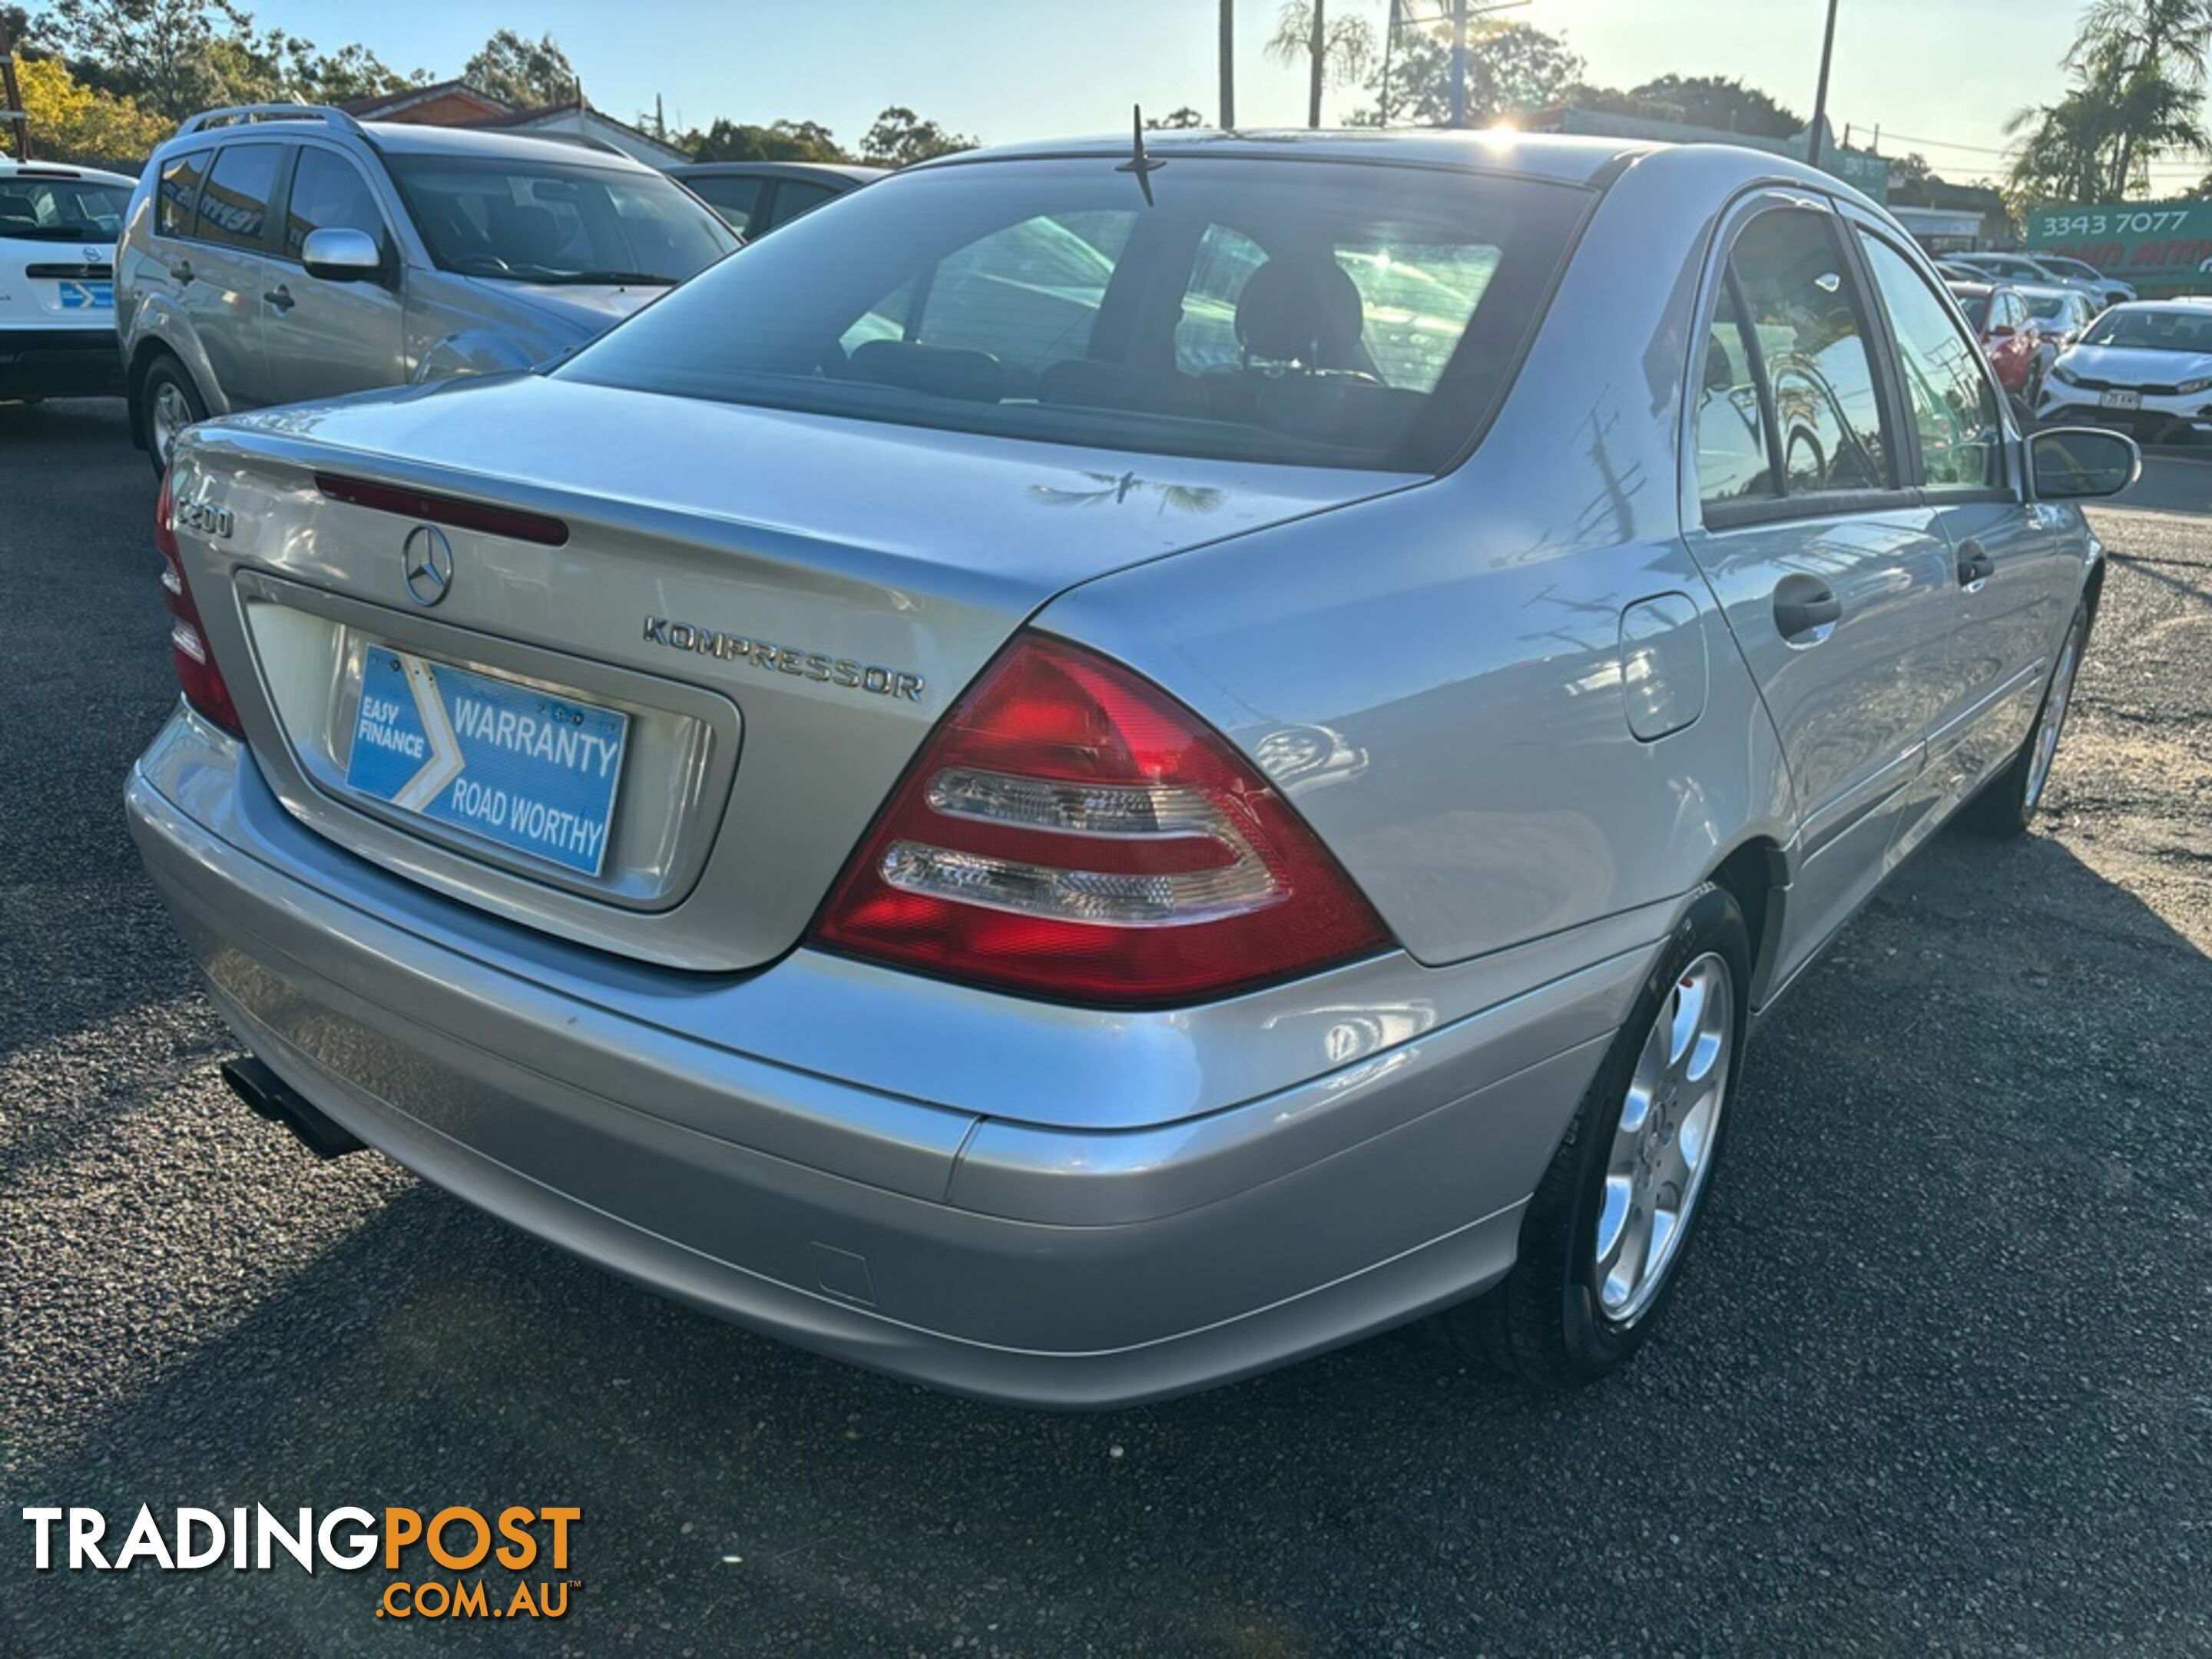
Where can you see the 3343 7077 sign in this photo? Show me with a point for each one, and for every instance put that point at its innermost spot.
(2156, 246)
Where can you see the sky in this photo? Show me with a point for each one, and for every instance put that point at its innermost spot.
(1939, 76)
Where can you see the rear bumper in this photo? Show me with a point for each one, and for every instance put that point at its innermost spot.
(1048, 1266)
(60, 362)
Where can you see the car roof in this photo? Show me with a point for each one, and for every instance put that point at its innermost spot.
(852, 171)
(1565, 159)
(2154, 305)
(11, 168)
(2049, 291)
(415, 138)
(1975, 290)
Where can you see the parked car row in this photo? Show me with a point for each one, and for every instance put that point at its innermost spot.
(2024, 328)
(2039, 270)
(273, 254)
(845, 798)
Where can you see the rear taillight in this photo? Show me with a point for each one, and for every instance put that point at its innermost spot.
(1072, 832)
(196, 670)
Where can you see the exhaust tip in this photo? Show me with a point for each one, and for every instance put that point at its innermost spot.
(272, 1098)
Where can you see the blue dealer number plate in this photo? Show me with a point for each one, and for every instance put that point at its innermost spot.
(503, 762)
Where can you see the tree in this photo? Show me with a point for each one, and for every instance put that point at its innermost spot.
(72, 122)
(2138, 70)
(278, 67)
(527, 74)
(780, 141)
(159, 53)
(1175, 119)
(2155, 52)
(900, 138)
(174, 58)
(1712, 101)
(1910, 169)
(1335, 53)
(1511, 67)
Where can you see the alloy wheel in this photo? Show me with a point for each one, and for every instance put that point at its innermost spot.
(1664, 1139)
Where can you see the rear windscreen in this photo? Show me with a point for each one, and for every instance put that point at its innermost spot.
(1354, 315)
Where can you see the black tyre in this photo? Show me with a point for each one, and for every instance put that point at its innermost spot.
(2007, 806)
(168, 402)
(1603, 1239)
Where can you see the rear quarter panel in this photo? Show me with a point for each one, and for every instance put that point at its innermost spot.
(1436, 677)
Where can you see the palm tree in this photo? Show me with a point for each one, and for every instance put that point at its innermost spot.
(1335, 52)
(2152, 56)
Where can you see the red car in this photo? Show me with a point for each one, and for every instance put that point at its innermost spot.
(2011, 337)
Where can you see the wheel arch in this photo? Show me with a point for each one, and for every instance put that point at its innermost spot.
(1755, 873)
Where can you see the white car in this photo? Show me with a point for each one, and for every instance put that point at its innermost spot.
(2145, 367)
(57, 230)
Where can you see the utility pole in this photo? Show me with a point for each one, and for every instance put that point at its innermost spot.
(1458, 63)
(1228, 63)
(11, 96)
(1820, 91)
(1317, 49)
(1389, 40)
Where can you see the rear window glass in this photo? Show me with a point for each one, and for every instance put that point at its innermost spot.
(1273, 310)
(50, 207)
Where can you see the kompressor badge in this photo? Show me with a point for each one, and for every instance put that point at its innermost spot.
(844, 673)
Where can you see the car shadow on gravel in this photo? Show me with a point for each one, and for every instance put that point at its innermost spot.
(1939, 1336)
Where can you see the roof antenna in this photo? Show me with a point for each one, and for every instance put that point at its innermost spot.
(1139, 163)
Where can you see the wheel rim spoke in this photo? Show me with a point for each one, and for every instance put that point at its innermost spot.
(1663, 1139)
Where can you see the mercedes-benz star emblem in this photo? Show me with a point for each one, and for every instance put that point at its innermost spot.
(429, 563)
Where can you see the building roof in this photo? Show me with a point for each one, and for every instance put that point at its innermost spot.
(390, 106)
(582, 112)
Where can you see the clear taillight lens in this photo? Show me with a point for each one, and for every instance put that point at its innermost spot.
(196, 670)
(1072, 832)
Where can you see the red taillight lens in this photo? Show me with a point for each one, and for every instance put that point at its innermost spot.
(1072, 832)
(196, 670)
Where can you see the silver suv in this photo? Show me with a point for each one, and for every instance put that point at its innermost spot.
(278, 252)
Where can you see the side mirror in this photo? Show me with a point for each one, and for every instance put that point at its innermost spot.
(341, 254)
(2071, 463)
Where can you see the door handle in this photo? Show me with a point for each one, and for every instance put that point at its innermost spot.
(182, 270)
(1803, 604)
(281, 297)
(1975, 567)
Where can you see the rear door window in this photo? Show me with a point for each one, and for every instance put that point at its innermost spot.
(796, 196)
(736, 198)
(234, 205)
(1733, 461)
(1803, 306)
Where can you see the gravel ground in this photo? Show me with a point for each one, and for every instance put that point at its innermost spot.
(1941, 1380)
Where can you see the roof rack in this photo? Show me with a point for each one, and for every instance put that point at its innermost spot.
(240, 115)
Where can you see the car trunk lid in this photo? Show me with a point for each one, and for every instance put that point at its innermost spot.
(774, 609)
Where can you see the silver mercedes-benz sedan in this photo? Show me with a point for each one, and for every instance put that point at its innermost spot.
(1089, 771)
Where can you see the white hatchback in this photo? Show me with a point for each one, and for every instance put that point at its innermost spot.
(57, 230)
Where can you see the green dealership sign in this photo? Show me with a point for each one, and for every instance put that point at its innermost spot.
(2162, 246)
